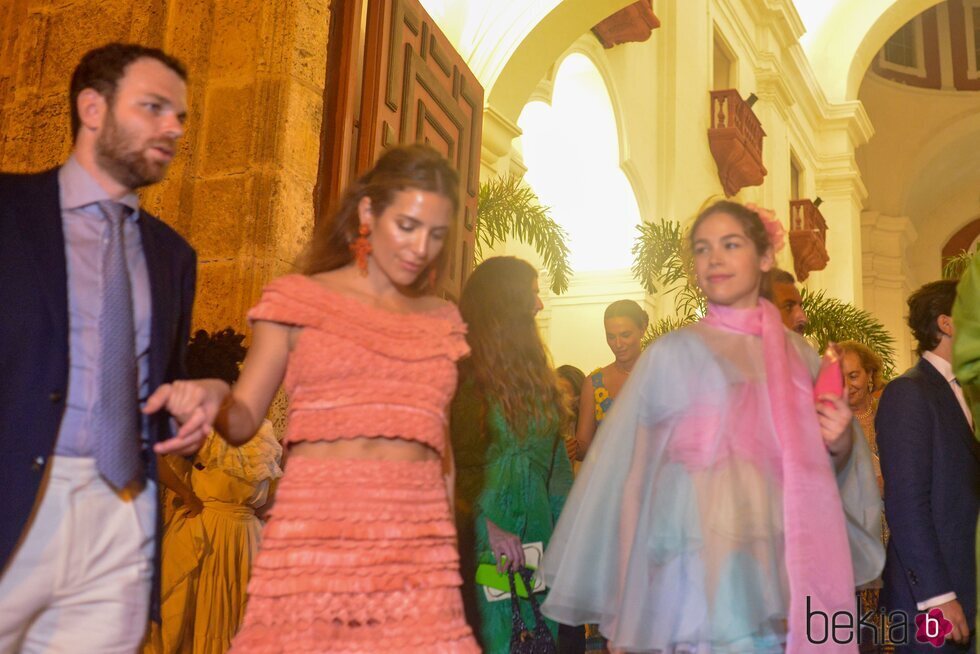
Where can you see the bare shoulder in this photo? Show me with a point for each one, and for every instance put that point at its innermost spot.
(338, 279)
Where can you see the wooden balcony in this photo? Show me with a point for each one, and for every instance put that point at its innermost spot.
(807, 238)
(735, 137)
(631, 24)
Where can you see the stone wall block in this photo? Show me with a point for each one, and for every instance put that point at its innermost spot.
(302, 122)
(29, 53)
(229, 130)
(277, 35)
(291, 229)
(51, 141)
(236, 44)
(270, 99)
(219, 301)
(148, 24)
(13, 27)
(308, 55)
(265, 208)
(188, 23)
(109, 21)
(172, 199)
(15, 136)
(222, 216)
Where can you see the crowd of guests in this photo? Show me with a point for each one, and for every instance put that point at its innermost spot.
(697, 495)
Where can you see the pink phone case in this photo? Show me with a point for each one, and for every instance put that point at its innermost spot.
(830, 379)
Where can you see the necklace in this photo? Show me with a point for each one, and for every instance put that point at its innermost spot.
(871, 409)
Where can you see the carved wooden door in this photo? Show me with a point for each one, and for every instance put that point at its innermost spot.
(417, 89)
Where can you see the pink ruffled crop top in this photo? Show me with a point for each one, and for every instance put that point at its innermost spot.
(358, 370)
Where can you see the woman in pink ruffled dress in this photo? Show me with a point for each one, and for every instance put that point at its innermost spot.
(359, 554)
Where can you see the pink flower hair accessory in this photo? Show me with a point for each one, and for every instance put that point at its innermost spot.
(777, 235)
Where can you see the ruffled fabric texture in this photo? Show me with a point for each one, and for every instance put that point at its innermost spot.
(358, 370)
(255, 461)
(674, 536)
(358, 556)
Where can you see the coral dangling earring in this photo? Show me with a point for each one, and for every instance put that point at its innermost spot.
(361, 248)
(432, 279)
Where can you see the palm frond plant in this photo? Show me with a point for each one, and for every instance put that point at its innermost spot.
(660, 266)
(956, 265)
(658, 261)
(508, 208)
(831, 319)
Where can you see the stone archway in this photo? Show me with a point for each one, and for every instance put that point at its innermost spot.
(531, 56)
(541, 47)
(510, 45)
(842, 48)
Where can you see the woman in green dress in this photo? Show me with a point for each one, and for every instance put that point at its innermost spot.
(512, 470)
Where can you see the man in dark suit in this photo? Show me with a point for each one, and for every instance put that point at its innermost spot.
(96, 297)
(931, 468)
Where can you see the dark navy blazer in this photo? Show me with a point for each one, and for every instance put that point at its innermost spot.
(34, 334)
(931, 465)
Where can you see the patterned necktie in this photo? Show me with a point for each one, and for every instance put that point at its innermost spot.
(117, 424)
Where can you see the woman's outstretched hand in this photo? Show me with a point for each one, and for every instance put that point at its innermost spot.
(194, 405)
(505, 544)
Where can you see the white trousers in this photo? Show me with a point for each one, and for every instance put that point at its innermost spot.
(80, 581)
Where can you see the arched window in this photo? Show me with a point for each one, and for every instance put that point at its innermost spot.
(571, 150)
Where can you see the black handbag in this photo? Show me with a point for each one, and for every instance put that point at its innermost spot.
(522, 639)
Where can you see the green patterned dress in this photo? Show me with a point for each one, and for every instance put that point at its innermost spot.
(517, 481)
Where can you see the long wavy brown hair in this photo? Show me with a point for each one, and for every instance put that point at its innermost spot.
(404, 167)
(509, 363)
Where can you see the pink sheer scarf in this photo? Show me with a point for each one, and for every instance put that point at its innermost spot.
(818, 558)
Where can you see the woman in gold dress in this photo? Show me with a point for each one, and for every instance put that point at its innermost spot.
(212, 532)
(864, 382)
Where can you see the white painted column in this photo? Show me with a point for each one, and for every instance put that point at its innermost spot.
(888, 280)
(839, 185)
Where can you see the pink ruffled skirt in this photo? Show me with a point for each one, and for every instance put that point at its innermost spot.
(359, 556)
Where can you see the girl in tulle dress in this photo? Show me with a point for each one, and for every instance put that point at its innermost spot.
(720, 504)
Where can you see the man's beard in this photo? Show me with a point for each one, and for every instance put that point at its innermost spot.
(117, 154)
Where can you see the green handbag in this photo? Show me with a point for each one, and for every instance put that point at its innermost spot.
(487, 575)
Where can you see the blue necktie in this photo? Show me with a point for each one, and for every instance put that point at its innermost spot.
(117, 423)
